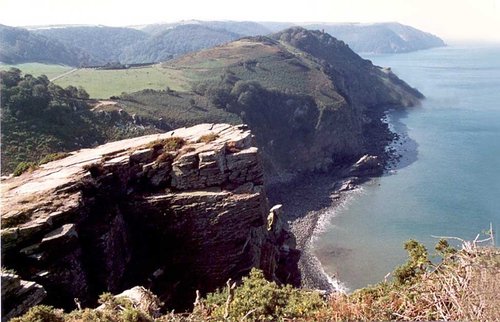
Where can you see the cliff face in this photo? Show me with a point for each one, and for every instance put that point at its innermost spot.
(175, 212)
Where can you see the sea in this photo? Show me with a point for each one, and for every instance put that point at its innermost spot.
(447, 182)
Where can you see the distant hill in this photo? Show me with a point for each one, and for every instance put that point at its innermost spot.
(98, 45)
(105, 44)
(381, 37)
(243, 28)
(174, 41)
(18, 45)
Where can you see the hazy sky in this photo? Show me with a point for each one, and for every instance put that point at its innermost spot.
(450, 19)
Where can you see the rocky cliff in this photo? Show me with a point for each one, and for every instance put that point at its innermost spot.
(174, 212)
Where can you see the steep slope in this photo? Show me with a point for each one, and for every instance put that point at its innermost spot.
(18, 45)
(106, 44)
(381, 37)
(308, 98)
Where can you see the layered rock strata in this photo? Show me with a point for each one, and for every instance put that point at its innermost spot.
(175, 212)
(19, 295)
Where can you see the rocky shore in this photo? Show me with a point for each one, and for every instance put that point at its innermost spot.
(306, 198)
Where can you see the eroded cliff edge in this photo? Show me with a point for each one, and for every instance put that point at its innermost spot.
(175, 212)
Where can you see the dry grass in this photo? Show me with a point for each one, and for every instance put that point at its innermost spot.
(208, 138)
(173, 143)
(464, 287)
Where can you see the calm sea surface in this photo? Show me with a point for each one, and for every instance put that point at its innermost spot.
(448, 182)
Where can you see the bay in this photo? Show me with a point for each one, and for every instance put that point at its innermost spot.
(448, 180)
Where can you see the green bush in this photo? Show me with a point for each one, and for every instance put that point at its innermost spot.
(41, 313)
(260, 300)
(53, 157)
(23, 167)
(417, 263)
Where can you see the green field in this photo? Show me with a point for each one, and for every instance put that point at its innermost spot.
(37, 69)
(106, 83)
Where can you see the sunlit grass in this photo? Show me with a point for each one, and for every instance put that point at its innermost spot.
(107, 83)
(37, 69)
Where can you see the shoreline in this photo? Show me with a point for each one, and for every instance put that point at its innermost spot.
(304, 207)
(309, 199)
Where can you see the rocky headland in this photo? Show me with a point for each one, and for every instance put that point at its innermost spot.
(175, 212)
(186, 210)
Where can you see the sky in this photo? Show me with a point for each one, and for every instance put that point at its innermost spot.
(450, 19)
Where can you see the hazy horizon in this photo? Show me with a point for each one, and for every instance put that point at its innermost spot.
(465, 20)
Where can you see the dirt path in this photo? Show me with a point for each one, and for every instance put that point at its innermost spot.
(62, 75)
(103, 103)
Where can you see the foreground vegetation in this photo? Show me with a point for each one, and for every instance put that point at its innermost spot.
(462, 287)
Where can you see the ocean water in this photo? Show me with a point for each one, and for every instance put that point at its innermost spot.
(448, 180)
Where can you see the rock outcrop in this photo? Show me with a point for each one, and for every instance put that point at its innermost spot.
(175, 212)
(19, 295)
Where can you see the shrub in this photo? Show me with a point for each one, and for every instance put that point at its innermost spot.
(418, 262)
(173, 143)
(259, 299)
(23, 167)
(165, 157)
(53, 157)
(41, 313)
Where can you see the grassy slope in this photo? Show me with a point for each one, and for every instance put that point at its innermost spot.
(107, 83)
(272, 65)
(37, 69)
(272, 69)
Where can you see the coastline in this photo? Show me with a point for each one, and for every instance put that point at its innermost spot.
(309, 199)
(306, 201)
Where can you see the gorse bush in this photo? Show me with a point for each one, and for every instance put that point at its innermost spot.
(417, 264)
(53, 157)
(23, 167)
(41, 313)
(257, 299)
